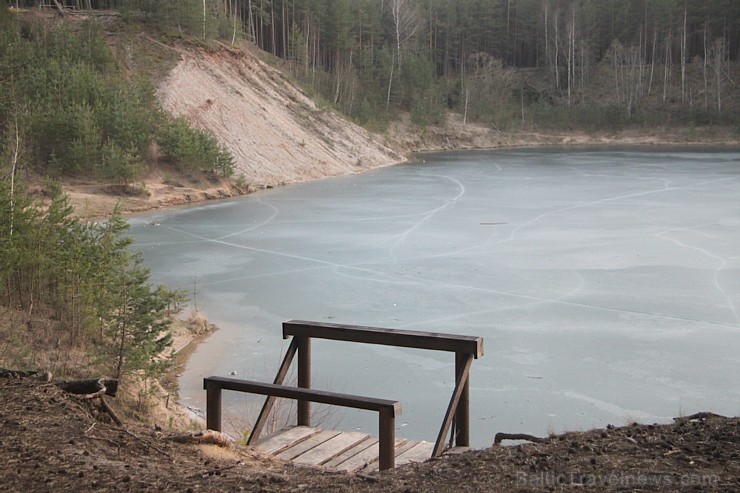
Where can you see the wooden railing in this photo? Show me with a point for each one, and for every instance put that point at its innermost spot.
(387, 410)
(466, 348)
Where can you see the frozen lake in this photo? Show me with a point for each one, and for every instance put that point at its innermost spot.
(606, 284)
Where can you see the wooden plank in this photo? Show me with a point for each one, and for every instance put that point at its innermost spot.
(351, 452)
(420, 452)
(403, 447)
(360, 459)
(322, 396)
(400, 449)
(368, 456)
(331, 448)
(388, 337)
(305, 445)
(282, 440)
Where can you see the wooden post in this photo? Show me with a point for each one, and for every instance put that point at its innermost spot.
(387, 442)
(213, 406)
(462, 413)
(304, 379)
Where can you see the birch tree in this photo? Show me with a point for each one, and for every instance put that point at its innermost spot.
(404, 24)
(718, 58)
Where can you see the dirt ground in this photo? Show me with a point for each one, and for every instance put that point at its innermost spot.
(52, 441)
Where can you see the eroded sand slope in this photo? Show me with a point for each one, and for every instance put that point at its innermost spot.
(274, 130)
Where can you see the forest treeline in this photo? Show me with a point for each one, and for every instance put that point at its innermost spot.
(519, 62)
(69, 287)
(68, 107)
(588, 64)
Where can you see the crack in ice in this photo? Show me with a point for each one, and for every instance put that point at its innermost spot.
(514, 231)
(722, 264)
(400, 239)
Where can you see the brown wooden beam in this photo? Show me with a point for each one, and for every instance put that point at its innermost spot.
(304, 379)
(461, 379)
(312, 395)
(270, 400)
(462, 410)
(388, 337)
(213, 405)
(387, 442)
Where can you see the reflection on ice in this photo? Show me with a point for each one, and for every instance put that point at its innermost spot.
(605, 283)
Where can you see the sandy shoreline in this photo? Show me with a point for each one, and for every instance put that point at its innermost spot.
(94, 201)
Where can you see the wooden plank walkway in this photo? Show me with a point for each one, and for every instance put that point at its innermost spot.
(342, 451)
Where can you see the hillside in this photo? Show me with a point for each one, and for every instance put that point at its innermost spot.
(277, 133)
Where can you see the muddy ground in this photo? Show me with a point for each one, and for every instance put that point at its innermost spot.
(52, 441)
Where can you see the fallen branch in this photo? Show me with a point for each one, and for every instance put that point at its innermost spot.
(100, 392)
(517, 436)
(44, 376)
(90, 389)
(101, 388)
(59, 7)
(71, 386)
(203, 437)
(111, 412)
(701, 415)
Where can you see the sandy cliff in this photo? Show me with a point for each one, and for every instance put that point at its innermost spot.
(274, 130)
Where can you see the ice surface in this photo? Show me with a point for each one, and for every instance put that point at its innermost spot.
(605, 284)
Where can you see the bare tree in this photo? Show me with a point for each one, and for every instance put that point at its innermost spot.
(667, 65)
(704, 69)
(652, 59)
(615, 56)
(718, 58)
(633, 80)
(556, 23)
(13, 170)
(570, 57)
(405, 23)
(490, 84)
(683, 56)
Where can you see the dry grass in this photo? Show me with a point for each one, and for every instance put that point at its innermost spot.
(146, 401)
(37, 342)
(197, 323)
